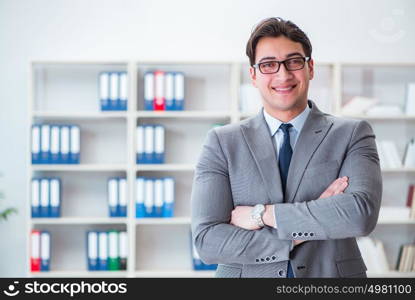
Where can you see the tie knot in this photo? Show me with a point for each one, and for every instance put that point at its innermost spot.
(285, 127)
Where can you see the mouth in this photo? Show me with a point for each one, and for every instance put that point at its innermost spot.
(285, 89)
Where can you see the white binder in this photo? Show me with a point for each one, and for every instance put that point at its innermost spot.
(45, 143)
(35, 144)
(75, 142)
(55, 197)
(113, 196)
(54, 143)
(35, 198)
(148, 144)
(65, 144)
(122, 193)
(103, 250)
(114, 90)
(44, 197)
(148, 91)
(92, 250)
(149, 197)
(158, 198)
(140, 143)
(123, 91)
(159, 144)
(44, 251)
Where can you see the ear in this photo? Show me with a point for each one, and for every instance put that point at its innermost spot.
(311, 68)
(252, 73)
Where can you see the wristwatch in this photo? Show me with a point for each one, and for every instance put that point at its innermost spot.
(256, 214)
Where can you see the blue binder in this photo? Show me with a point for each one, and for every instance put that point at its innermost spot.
(123, 89)
(103, 90)
(44, 198)
(179, 91)
(149, 197)
(140, 144)
(55, 144)
(92, 250)
(140, 196)
(169, 90)
(55, 197)
(75, 144)
(149, 93)
(65, 144)
(103, 251)
(159, 133)
(148, 156)
(114, 91)
(45, 144)
(169, 197)
(36, 144)
(45, 251)
(112, 192)
(158, 198)
(122, 197)
(35, 203)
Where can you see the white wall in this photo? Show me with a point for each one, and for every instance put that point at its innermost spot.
(354, 30)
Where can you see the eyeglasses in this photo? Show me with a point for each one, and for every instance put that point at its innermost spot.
(273, 66)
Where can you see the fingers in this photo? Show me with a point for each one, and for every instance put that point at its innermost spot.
(336, 187)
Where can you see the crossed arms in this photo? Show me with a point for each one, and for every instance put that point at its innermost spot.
(221, 234)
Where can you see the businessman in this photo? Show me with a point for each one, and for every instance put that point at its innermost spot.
(286, 192)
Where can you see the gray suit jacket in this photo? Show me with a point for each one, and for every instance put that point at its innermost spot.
(238, 166)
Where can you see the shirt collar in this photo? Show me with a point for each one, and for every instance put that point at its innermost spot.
(297, 122)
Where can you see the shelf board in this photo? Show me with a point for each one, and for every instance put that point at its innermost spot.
(163, 221)
(398, 170)
(380, 118)
(165, 167)
(78, 220)
(80, 62)
(391, 274)
(79, 167)
(79, 274)
(184, 114)
(174, 273)
(80, 115)
(396, 221)
(247, 114)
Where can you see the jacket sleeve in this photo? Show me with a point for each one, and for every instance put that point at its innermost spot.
(215, 239)
(351, 214)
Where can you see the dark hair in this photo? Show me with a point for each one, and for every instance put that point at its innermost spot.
(275, 27)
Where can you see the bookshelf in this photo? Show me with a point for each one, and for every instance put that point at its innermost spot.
(63, 92)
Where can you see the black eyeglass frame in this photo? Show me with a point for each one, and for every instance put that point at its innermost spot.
(304, 58)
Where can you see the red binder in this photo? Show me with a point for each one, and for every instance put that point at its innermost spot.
(35, 248)
(159, 100)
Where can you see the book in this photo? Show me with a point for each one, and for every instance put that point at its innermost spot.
(391, 154)
(358, 105)
(409, 155)
(410, 99)
(384, 110)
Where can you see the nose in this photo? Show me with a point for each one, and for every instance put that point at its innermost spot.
(283, 73)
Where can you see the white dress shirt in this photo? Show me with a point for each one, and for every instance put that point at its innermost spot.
(278, 135)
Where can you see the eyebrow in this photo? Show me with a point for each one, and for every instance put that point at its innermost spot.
(287, 56)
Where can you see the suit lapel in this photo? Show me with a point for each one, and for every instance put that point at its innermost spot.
(260, 144)
(314, 130)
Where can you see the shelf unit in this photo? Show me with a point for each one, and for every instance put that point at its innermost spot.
(66, 92)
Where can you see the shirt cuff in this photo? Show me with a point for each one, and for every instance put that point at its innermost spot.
(275, 220)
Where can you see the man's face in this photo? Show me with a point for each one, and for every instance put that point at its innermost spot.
(285, 90)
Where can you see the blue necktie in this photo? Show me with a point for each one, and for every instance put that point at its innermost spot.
(284, 159)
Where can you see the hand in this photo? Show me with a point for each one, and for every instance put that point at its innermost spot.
(298, 242)
(241, 217)
(336, 187)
